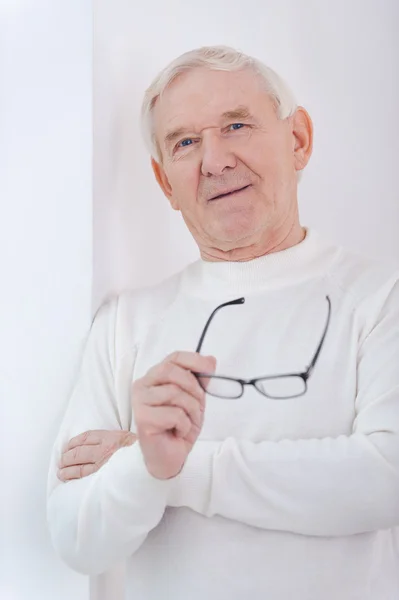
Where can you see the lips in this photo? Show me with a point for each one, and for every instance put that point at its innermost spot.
(228, 192)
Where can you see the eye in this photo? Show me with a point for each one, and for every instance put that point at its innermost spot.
(184, 143)
(236, 126)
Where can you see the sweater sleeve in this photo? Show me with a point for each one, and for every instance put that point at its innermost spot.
(320, 487)
(96, 521)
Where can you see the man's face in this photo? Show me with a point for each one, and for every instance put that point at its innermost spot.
(228, 163)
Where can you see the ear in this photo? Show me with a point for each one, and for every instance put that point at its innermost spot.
(163, 182)
(303, 138)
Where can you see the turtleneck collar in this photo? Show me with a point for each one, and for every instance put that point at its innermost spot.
(303, 261)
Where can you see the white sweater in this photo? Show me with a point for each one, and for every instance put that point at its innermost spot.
(279, 499)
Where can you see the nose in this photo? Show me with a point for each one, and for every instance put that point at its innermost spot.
(216, 157)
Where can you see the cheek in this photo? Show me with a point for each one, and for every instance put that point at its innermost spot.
(271, 159)
(184, 180)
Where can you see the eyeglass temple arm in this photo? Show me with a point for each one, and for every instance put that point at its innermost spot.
(231, 303)
(316, 356)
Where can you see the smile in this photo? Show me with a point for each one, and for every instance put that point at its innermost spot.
(232, 193)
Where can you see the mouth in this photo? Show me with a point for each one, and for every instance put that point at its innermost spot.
(231, 193)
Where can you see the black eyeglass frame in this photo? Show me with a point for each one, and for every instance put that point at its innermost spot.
(305, 375)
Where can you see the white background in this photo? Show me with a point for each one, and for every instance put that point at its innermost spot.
(342, 61)
(46, 270)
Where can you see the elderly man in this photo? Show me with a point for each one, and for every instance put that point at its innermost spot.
(234, 430)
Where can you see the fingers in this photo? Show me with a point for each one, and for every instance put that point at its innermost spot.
(169, 399)
(170, 373)
(89, 438)
(78, 456)
(76, 472)
(174, 370)
(172, 395)
(92, 448)
(193, 361)
(165, 418)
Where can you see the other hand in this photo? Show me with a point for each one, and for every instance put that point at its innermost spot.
(87, 452)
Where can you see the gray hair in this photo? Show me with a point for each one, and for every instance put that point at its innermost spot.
(221, 58)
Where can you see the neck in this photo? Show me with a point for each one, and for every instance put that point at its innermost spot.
(227, 280)
(276, 241)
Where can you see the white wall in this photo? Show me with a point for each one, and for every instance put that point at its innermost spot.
(46, 270)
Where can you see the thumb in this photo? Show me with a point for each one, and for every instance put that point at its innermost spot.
(212, 363)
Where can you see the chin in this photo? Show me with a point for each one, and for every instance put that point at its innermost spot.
(236, 234)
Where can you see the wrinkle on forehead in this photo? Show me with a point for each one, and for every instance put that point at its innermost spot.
(186, 106)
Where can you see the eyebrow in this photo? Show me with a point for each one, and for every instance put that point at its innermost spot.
(173, 135)
(241, 113)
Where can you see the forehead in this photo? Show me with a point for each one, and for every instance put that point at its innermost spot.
(198, 98)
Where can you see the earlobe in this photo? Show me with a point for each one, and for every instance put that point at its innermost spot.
(163, 181)
(303, 135)
(161, 178)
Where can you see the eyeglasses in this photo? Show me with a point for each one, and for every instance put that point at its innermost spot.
(277, 387)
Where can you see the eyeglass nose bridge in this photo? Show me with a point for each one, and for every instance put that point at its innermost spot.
(252, 382)
(245, 382)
